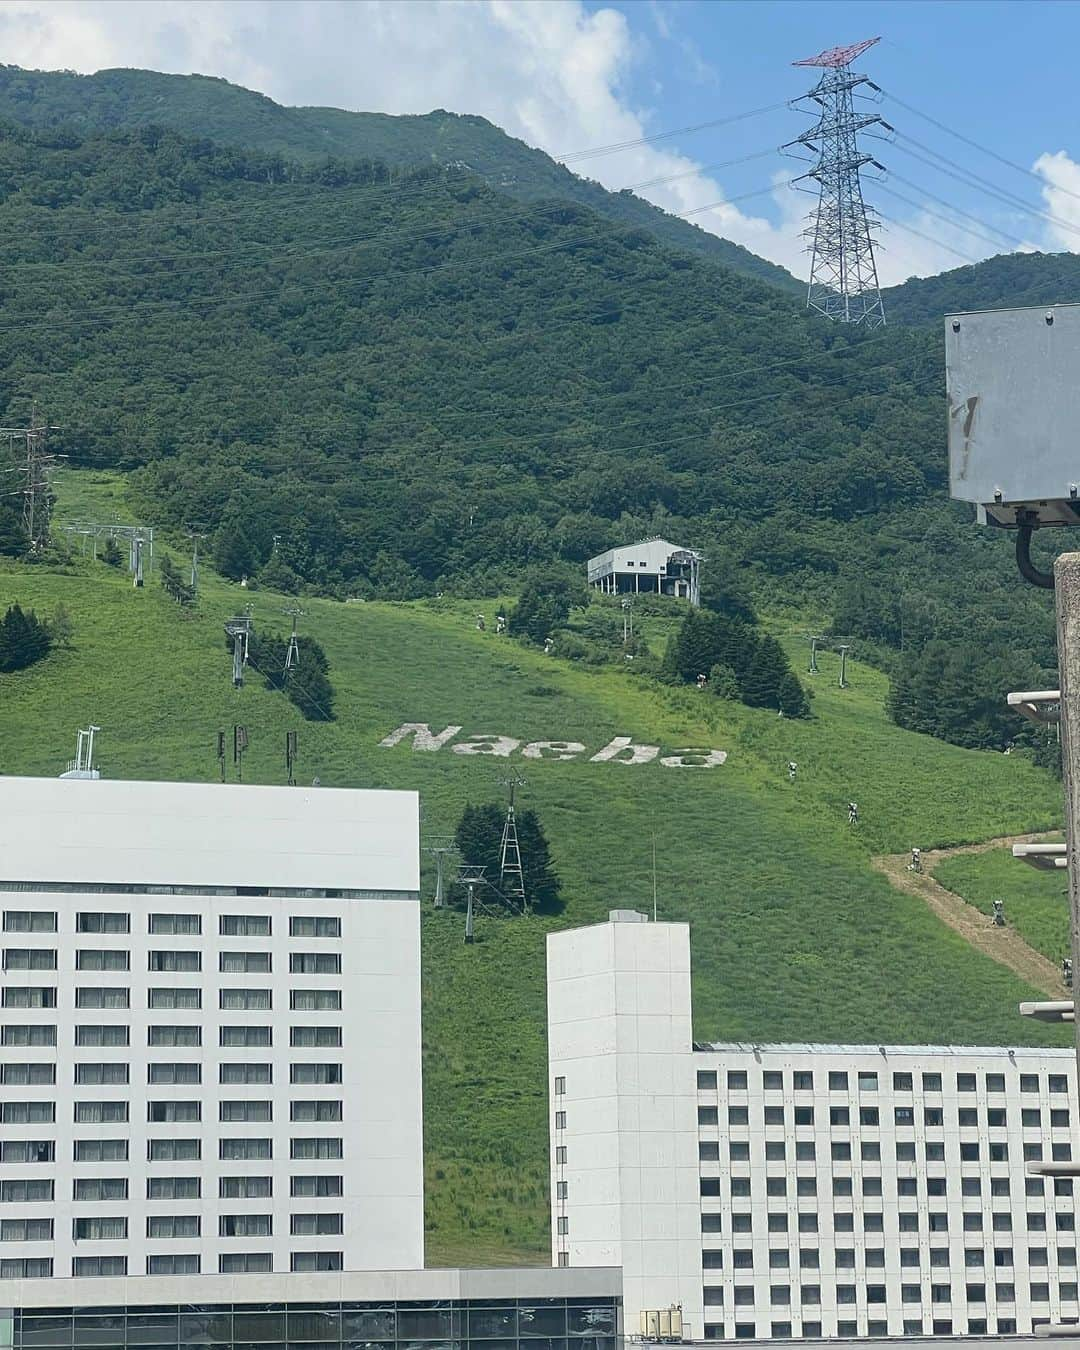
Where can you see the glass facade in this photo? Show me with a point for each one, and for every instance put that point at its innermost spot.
(508, 1324)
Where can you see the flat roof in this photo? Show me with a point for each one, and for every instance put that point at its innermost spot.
(98, 831)
(882, 1051)
(356, 1286)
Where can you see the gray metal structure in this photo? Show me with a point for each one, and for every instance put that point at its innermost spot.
(1014, 413)
(843, 274)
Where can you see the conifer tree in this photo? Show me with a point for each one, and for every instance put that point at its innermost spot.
(24, 639)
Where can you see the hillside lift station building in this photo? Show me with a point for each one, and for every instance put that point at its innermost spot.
(651, 566)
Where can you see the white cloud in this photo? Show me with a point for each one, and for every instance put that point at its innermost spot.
(548, 71)
(1061, 194)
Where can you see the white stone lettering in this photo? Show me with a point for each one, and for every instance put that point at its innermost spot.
(502, 746)
(552, 750)
(423, 739)
(694, 759)
(617, 751)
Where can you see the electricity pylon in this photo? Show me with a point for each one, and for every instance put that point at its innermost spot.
(843, 274)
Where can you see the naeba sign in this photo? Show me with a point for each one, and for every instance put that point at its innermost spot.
(619, 750)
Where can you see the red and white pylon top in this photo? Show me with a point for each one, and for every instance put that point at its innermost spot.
(838, 56)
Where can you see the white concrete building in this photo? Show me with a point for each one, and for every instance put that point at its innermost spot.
(798, 1190)
(209, 1030)
(651, 566)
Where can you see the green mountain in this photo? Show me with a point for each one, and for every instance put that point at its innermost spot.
(794, 934)
(1007, 281)
(416, 384)
(200, 106)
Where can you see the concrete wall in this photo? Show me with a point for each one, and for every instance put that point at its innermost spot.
(619, 1044)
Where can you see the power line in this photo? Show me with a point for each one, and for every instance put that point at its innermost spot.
(975, 145)
(576, 155)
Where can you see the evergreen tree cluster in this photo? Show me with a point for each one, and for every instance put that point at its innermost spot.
(306, 683)
(24, 639)
(173, 583)
(544, 606)
(478, 838)
(958, 695)
(739, 660)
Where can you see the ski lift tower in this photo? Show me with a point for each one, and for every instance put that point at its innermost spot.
(511, 871)
(1014, 423)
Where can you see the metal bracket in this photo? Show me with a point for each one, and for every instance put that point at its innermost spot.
(1045, 857)
(1038, 705)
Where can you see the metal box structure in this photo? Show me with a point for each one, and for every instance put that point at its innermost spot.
(1013, 383)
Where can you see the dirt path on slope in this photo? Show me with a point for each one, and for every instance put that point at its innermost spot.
(1004, 945)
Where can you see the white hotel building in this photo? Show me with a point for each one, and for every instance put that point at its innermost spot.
(798, 1190)
(209, 1030)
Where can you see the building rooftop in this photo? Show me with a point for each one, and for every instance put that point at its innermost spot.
(207, 834)
(883, 1051)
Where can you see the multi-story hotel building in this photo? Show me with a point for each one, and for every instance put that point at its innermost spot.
(798, 1190)
(209, 1030)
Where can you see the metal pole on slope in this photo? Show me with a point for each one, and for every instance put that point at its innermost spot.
(1067, 597)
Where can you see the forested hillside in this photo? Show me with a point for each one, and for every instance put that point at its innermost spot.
(200, 106)
(421, 385)
(1011, 279)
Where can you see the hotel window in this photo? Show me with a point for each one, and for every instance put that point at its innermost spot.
(245, 1263)
(318, 1187)
(26, 1192)
(186, 1036)
(802, 1080)
(100, 1188)
(16, 1033)
(246, 1188)
(706, 1080)
(328, 1038)
(166, 1113)
(173, 1188)
(1057, 1082)
(237, 1037)
(245, 1073)
(244, 1225)
(329, 1261)
(174, 1150)
(315, 1000)
(100, 1150)
(736, 1080)
(315, 963)
(707, 1115)
(739, 1150)
(27, 1075)
(307, 1149)
(244, 925)
(312, 1112)
(29, 921)
(102, 923)
(902, 1082)
(244, 963)
(98, 1075)
(315, 1073)
(560, 1153)
(174, 998)
(1059, 1118)
(315, 1225)
(28, 996)
(931, 1082)
(101, 1113)
(172, 1226)
(562, 1225)
(91, 958)
(177, 962)
(27, 1151)
(98, 1267)
(103, 996)
(112, 1229)
(1029, 1082)
(560, 1120)
(314, 926)
(29, 958)
(245, 1000)
(234, 1112)
(111, 1035)
(27, 1113)
(172, 1265)
(172, 1074)
(244, 1150)
(175, 925)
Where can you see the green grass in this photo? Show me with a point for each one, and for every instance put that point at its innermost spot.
(1036, 903)
(794, 935)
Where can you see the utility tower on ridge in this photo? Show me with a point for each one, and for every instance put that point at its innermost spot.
(33, 462)
(843, 273)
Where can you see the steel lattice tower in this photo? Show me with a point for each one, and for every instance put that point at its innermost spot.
(843, 274)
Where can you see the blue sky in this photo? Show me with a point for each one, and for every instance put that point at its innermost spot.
(570, 75)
